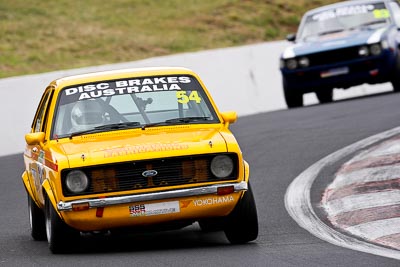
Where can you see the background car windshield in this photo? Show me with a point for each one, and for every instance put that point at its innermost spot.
(136, 101)
(350, 17)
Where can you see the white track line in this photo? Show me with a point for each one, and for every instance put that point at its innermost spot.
(298, 202)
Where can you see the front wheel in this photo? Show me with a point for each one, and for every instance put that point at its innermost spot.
(60, 236)
(325, 95)
(36, 220)
(242, 224)
(396, 85)
(293, 98)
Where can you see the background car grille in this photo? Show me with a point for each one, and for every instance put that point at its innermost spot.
(334, 56)
(170, 172)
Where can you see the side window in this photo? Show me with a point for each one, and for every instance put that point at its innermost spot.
(396, 13)
(38, 123)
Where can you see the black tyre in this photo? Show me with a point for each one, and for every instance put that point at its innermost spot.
(60, 236)
(36, 221)
(325, 95)
(242, 224)
(292, 97)
(396, 84)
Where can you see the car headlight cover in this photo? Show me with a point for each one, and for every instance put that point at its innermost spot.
(375, 49)
(291, 64)
(222, 166)
(76, 181)
(363, 51)
(304, 62)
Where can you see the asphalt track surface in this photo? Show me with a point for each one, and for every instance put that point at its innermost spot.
(279, 146)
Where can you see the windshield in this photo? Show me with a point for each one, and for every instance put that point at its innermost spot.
(131, 103)
(349, 17)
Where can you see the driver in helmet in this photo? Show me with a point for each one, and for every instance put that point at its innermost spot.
(87, 114)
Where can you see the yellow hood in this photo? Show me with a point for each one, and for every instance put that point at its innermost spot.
(120, 146)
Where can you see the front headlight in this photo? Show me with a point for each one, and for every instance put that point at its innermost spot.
(291, 64)
(304, 62)
(76, 181)
(363, 51)
(222, 166)
(375, 49)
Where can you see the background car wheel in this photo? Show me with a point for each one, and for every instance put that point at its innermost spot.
(293, 99)
(242, 224)
(36, 221)
(60, 236)
(325, 95)
(396, 85)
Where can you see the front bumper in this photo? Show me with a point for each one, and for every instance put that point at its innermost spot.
(371, 70)
(197, 191)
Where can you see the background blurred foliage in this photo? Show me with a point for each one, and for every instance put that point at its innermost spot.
(44, 35)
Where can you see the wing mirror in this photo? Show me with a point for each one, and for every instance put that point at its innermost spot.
(35, 138)
(229, 117)
(291, 37)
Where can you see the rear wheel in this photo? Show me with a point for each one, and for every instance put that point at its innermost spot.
(60, 236)
(36, 220)
(242, 224)
(325, 95)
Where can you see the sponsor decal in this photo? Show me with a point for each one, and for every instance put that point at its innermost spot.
(141, 210)
(139, 149)
(376, 11)
(212, 201)
(185, 203)
(128, 86)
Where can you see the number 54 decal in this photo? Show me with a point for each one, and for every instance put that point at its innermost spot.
(184, 98)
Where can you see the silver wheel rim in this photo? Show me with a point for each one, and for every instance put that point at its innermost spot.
(30, 214)
(48, 226)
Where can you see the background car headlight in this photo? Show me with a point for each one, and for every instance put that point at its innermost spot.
(291, 64)
(304, 62)
(363, 51)
(375, 49)
(76, 181)
(222, 166)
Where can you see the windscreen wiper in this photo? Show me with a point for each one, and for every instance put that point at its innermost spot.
(187, 119)
(175, 120)
(330, 32)
(113, 126)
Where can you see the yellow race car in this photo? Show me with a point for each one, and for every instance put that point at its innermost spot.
(134, 148)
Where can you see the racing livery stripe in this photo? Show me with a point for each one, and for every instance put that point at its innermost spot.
(376, 36)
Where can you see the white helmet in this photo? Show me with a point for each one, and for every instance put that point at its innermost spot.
(86, 115)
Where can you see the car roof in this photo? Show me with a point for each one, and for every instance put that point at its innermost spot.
(345, 3)
(119, 74)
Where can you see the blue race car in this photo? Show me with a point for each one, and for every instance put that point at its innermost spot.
(342, 45)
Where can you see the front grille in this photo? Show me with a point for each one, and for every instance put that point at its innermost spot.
(334, 56)
(169, 172)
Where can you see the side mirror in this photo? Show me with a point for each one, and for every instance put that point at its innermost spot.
(291, 37)
(35, 138)
(229, 116)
